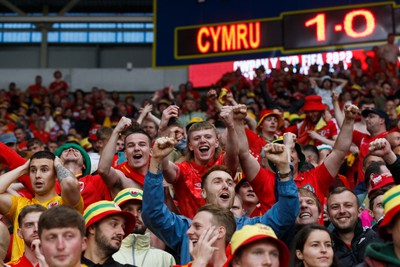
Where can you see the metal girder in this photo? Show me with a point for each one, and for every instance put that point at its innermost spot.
(68, 7)
(12, 7)
(77, 19)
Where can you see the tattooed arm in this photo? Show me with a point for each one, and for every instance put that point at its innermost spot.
(70, 192)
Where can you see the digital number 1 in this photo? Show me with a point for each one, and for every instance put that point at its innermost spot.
(319, 21)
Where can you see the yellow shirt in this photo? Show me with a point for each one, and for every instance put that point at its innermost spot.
(18, 203)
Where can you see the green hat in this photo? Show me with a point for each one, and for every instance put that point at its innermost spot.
(85, 156)
(128, 194)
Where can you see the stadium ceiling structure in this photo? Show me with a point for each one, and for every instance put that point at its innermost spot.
(62, 7)
(47, 16)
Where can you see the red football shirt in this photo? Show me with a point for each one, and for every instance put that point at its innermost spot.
(188, 185)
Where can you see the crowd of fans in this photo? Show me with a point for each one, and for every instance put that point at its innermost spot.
(286, 169)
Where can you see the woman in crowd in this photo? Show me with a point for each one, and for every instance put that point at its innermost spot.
(312, 247)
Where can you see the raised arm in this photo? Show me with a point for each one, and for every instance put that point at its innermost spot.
(249, 164)
(381, 148)
(5, 181)
(341, 82)
(283, 213)
(316, 136)
(144, 112)
(112, 177)
(343, 141)
(230, 159)
(169, 168)
(252, 123)
(157, 217)
(339, 116)
(171, 111)
(70, 190)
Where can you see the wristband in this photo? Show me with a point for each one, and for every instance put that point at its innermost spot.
(284, 175)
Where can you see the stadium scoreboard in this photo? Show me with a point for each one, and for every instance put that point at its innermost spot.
(297, 31)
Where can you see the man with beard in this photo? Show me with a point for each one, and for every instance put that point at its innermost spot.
(137, 152)
(106, 226)
(28, 221)
(136, 248)
(350, 239)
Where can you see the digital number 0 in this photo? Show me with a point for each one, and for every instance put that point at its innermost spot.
(369, 23)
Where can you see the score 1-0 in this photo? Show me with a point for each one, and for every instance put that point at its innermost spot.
(337, 26)
(348, 24)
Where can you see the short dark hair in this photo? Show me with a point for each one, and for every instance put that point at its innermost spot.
(300, 240)
(221, 217)
(311, 148)
(135, 130)
(373, 168)
(43, 155)
(376, 194)
(213, 169)
(34, 141)
(61, 217)
(365, 101)
(366, 158)
(29, 209)
(341, 189)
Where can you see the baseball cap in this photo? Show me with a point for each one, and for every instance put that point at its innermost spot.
(378, 181)
(8, 138)
(252, 233)
(128, 194)
(101, 209)
(92, 133)
(85, 156)
(376, 111)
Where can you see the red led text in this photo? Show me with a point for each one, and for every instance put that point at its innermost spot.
(225, 38)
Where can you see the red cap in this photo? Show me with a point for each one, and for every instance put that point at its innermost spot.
(378, 181)
(92, 132)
